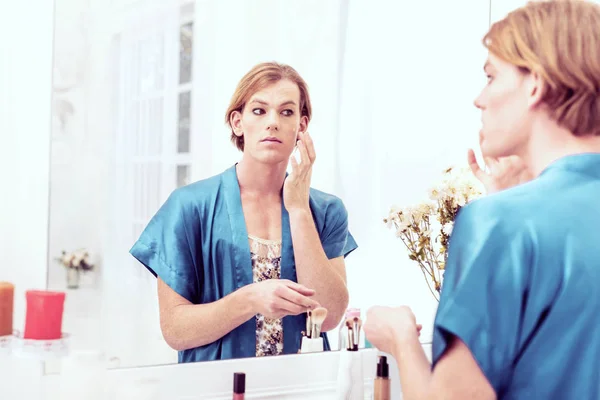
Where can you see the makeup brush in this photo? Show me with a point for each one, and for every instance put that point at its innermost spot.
(308, 323)
(356, 326)
(318, 317)
(350, 338)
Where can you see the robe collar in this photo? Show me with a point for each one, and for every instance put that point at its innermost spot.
(242, 258)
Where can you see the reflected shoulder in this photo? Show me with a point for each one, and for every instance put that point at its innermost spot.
(326, 201)
(199, 191)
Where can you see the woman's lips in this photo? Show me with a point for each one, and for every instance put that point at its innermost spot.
(271, 140)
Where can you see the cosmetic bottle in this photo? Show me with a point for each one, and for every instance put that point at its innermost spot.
(382, 387)
(239, 386)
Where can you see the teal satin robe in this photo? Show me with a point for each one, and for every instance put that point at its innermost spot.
(520, 287)
(197, 243)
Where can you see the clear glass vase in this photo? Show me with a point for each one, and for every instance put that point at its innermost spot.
(73, 277)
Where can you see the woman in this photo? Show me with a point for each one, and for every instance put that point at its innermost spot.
(240, 257)
(518, 316)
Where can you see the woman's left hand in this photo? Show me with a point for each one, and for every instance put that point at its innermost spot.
(296, 188)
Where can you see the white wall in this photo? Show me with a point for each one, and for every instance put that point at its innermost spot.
(406, 114)
(78, 178)
(499, 8)
(26, 73)
(25, 82)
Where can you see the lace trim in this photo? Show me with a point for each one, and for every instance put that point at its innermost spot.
(265, 248)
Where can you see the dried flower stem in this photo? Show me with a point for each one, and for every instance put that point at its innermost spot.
(427, 244)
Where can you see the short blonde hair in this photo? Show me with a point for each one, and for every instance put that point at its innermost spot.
(559, 40)
(259, 77)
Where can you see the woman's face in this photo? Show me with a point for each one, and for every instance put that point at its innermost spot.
(270, 122)
(505, 104)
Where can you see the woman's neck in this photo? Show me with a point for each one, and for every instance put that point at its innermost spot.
(260, 178)
(549, 143)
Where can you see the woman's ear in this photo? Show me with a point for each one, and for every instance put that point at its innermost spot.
(536, 88)
(235, 120)
(303, 123)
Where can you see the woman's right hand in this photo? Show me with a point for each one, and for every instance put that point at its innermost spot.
(277, 298)
(503, 172)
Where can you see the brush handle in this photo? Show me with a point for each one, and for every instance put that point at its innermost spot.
(317, 331)
(350, 344)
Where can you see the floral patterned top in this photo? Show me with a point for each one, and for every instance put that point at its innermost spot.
(266, 259)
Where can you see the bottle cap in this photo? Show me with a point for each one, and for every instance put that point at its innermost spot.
(383, 369)
(239, 382)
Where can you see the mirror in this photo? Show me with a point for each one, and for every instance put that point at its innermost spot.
(139, 97)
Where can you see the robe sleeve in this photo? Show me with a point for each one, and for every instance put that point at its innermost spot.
(165, 248)
(336, 239)
(483, 289)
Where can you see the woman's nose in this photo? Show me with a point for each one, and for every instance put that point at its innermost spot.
(273, 122)
(478, 103)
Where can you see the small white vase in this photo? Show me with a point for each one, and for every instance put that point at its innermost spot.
(73, 277)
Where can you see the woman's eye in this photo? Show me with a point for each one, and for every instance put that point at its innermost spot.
(287, 113)
(258, 111)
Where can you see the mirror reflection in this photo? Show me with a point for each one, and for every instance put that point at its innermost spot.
(179, 227)
(241, 257)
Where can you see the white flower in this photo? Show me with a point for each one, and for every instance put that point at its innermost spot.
(435, 193)
(389, 223)
(65, 259)
(411, 214)
(427, 207)
(460, 200)
(401, 229)
(447, 228)
(76, 261)
(394, 216)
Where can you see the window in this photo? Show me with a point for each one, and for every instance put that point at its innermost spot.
(153, 104)
(184, 99)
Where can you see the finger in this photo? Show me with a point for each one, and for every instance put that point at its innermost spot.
(287, 307)
(474, 165)
(303, 290)
(294, 297)
(518, 161)
(304, 157)
(294, 163)
(491, 161)
(493, 164)
(310, 147)
(513, 163)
